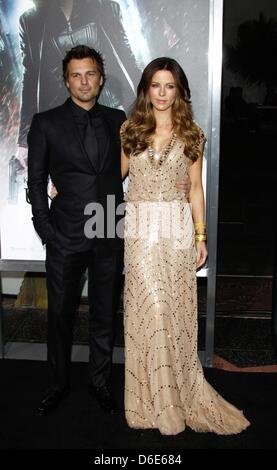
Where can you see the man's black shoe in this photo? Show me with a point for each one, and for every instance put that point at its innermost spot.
(52, 400)
(104, 398)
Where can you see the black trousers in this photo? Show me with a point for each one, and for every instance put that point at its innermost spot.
(64, 272)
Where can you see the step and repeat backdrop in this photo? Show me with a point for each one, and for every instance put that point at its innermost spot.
(34, 36)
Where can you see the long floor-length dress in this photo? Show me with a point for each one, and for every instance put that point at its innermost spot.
(165, 386)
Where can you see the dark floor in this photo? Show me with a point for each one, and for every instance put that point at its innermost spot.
(79, 423)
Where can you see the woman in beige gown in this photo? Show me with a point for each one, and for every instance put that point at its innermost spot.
(164, 245)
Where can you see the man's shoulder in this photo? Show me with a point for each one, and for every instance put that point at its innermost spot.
(113, 113)
(52, 113)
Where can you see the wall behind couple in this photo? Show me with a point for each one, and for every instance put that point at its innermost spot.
(34, 36)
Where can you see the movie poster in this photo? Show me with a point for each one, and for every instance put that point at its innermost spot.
(34, 36)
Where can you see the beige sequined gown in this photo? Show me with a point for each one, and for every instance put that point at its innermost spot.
(164, 383)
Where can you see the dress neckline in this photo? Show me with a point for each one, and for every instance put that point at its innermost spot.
(157, 159)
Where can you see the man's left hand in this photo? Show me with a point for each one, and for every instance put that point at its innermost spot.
(183, 185)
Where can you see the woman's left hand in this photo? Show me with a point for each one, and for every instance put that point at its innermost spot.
(202, 253)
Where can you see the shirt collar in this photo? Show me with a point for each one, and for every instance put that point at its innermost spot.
(81, 112)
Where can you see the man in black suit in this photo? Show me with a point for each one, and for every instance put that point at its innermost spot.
(78, 145)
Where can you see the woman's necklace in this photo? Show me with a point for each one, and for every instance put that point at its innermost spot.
(157, 159)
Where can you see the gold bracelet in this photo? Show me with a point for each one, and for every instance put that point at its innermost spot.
(200, 233)
(200, 237)
(200, 225)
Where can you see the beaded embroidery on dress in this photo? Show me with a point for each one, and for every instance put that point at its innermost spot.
(165, 386)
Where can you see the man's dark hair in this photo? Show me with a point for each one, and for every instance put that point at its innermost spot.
(84, 52)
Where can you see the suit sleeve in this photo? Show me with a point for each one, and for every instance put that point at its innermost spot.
(38, 171)
(123, 117)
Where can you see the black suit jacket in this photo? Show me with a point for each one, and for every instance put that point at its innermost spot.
(55, 149)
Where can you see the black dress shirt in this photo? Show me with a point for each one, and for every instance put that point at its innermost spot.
(92, 130)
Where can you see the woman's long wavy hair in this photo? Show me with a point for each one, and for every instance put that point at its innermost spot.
(139, 129)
